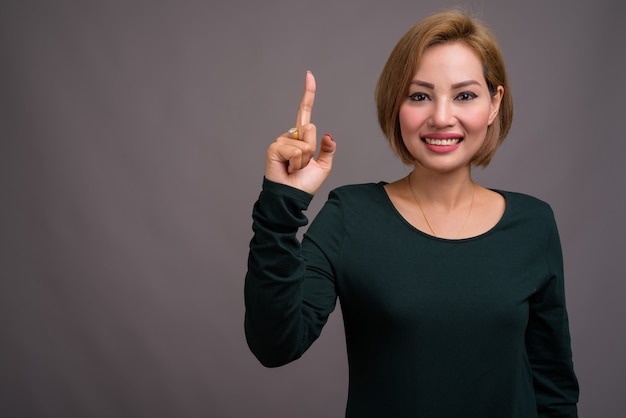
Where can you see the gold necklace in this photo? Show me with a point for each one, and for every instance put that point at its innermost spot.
(426, 218)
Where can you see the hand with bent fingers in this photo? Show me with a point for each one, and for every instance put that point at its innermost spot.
(292, 161)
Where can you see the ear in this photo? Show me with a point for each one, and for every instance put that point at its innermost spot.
(495, 104)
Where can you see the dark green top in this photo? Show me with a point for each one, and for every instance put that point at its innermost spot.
(435, 328)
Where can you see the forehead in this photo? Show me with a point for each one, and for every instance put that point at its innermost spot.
(450, 58)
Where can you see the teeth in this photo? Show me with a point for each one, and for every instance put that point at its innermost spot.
(444, 142)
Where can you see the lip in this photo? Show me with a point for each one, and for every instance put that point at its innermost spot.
(442, 149)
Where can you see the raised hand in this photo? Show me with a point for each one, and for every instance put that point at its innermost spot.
(292, 161)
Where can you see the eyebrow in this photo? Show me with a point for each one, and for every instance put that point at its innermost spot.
(454, 86)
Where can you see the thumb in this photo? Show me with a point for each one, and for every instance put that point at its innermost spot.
(327, 151)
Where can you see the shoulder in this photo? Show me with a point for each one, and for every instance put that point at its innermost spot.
(351, 206)
(525, 201)
(527, 208)
(358, 191)
(357, 200)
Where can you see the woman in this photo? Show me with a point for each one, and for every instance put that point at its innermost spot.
(452, 294)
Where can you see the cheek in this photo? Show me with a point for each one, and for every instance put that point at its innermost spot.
(476, 120)
(410, 118)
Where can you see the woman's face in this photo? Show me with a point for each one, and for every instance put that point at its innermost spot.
(448, 108)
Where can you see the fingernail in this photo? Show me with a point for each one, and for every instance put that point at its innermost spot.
(331, 137)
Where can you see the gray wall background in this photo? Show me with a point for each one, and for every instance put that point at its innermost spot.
(132, 148)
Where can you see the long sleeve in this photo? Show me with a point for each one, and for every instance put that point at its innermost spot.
(287, 299)
(548, 342)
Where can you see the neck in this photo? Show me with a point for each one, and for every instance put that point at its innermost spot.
(444, 201)
(443, 191)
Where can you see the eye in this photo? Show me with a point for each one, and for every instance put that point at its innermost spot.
(466, 96)
(418, 97)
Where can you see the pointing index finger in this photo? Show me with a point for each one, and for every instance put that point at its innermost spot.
(308, 98)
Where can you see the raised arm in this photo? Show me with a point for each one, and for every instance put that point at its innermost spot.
(288, 295)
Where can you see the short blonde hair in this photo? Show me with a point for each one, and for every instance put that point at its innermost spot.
(394, 81)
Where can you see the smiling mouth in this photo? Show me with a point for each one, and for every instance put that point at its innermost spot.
(442, 142)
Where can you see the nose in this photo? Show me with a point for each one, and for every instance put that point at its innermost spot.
(443, 115)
